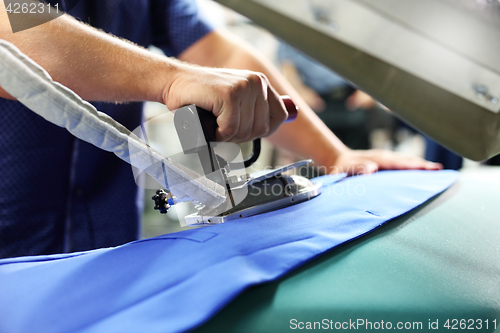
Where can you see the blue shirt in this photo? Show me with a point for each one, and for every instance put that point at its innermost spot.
(60, 194)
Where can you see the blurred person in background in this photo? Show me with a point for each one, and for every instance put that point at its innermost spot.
(342, 107)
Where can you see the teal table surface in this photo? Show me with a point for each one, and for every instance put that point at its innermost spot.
(437, 268)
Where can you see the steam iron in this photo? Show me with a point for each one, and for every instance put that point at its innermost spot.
(247, 195)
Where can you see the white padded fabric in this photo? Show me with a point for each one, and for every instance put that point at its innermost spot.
(32, 85)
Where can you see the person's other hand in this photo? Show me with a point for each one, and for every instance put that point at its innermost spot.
(244, 102)
(359, 100)
(356, 162)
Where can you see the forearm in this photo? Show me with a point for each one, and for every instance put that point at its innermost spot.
(315, 138)
(94, 64)
(100, 67)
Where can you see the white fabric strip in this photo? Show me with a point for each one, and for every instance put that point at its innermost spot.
(32, 85)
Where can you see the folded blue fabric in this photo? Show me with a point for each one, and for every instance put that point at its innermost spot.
(176, 282)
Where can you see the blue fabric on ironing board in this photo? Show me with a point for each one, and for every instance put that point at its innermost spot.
(175, 282)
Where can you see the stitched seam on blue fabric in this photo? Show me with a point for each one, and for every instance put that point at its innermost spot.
(68, 256)
(175, 285)
(372, 213)
(166, 237)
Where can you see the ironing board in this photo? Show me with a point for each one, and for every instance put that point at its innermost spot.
(176, 282)
(438, 262)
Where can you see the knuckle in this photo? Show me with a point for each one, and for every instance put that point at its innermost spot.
(230, 131)
(264, 79)
(256, 79)
(262, 131)
(230, 91)
(245, 135)
(243, 84)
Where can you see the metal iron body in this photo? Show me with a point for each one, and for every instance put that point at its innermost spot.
(274, 192)
(247, 195)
